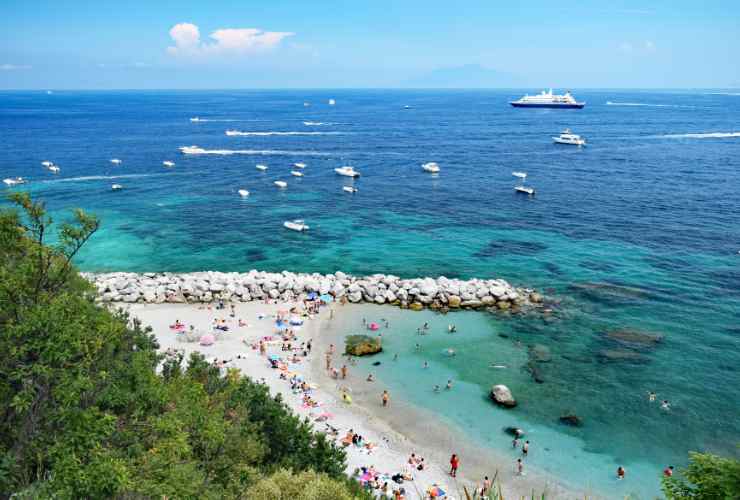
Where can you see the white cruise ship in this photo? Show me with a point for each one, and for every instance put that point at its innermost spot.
(548, 100)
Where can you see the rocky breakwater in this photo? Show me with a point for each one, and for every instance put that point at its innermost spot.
(441, 293)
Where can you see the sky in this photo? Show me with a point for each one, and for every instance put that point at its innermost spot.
(199, 44)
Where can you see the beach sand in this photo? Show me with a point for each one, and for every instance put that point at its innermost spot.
(398, 430)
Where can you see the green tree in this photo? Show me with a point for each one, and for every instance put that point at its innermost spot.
(707, 477)
(283, 485)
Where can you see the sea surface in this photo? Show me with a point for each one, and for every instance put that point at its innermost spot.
(638, 231)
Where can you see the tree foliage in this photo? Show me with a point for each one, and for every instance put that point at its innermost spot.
(84, 413)
(707, 477)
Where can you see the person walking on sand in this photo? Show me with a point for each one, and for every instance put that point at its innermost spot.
(454, 464)
(487, 485)
(344, 371)
(328, 360)
(386, 398)
(519, 467)
(525, 448)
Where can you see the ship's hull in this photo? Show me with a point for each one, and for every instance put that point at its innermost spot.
(576, 105)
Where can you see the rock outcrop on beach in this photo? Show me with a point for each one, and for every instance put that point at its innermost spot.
(362, 345)
(208, 286)
(501, 395)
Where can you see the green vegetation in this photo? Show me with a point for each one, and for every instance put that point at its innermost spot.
(707, 477)
(85, 414)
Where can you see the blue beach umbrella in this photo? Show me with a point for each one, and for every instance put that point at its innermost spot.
(326, 298)
(280, 325)
(312, 296)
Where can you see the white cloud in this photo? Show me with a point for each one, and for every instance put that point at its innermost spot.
(13, 67)
(234, 41)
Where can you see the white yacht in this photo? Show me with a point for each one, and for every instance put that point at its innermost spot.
(262, 167)
(47, 163)
(347, 171)
(521, 188)
(548, 100)
(281, 184)
(168, 163)
(296, 173)
(332, 102)
(349, 189)
(430, 167)
(54, 169)
(195, 119)
(14, 181)
(243, 193)
(116, 187)
(116, 161)
(567, 137)
(299, 165)
(296, 225)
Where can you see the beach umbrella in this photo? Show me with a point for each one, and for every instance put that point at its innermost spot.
(295, 320)
(312, 295)
(274, 357)
(436, 492)
(207, 339)
(374, 326)
(281, 326)
(326, 298)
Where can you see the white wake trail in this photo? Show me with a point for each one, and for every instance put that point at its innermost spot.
(265, 134)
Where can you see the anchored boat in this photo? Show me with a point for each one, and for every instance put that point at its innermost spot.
(521, 188)
(567, 137)
(296, 225)
(430, 167)
(548, 100)
(347, 171)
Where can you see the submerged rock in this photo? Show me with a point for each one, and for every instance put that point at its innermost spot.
(634, 337)
(502, 396)
(571, 419)
(540, 353)
(361, 345)
(514, 431)
(607, 355)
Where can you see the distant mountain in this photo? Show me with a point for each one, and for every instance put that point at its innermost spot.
(467, 76)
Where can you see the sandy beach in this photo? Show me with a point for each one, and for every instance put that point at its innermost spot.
(395, 431)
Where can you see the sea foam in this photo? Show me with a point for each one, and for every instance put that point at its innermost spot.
(262, 134)
(611, 103)
(707, 135)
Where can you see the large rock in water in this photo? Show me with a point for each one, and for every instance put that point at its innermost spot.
(571, 419)
(501, 395)
(540, 353)
(634, 337)
(361, 345)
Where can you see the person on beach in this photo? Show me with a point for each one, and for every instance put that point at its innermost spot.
(370, 377)
(308, 346)
(262, 348)
(519, 467)
(344, 371)
(328, 361)
(668, 471)
(621, 473)
(454, 463)
(331, 348)
(386, 398)
(525, 448)
(486, 488)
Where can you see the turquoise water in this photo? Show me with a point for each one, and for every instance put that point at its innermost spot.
(639, 231)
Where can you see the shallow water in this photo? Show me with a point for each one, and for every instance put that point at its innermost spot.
(638, 230)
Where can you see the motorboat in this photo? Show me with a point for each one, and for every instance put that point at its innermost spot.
(168, 163)
(407, 107)
(47, 164)
(521, 188)
(14, 181)
(548, 100)
(262, 168)
(567, 137)
(116, 187)
(243, 193)
(195, 119)
(332, 102)
(296, 225)
(116, 161)
(430, 167)
(296, 173)
(281, 184)
(54, 169)
(299, 165)
(347, 171)
(306, 104)
(350, 189)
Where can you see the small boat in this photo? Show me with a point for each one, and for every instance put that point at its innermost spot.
(567, 137)
(14, 181)
(47, 164)
(332, 102)
(306, 104)
(195, 119)
(548, 100)
(116, 161)
(350, 189)
(243, 193)
(116, 187)
(430, 167)
(295, 173)
(347, 171)
(281, 184)
(296, 225)
(54, 169)
(168, 163)
(521, 188)
(299, 165)
(262, 167)
(407, 107)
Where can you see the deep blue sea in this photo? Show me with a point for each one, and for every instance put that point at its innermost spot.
(639, 230)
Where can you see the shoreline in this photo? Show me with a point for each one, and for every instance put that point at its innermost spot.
(440, 293)
(396, 438)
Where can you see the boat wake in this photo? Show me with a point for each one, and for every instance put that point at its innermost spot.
(201, 120)
(195, 150)
(264, 134)
(318, 124)
(610, 103)
(708, 135)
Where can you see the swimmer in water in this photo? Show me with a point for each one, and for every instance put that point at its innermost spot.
(395, 357)
(426, 326)
(651, 396)
(418, 347)
(436, 388)
(450, 351)
(449, 385)
(665, 405)
(426, 365)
